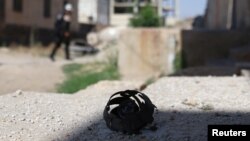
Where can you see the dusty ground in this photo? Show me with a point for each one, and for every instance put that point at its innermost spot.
(30, 69)
(28, 72)
(186, 106)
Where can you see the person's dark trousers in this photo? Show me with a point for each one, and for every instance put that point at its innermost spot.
(59, 41)
(67, 42)
(57, 46)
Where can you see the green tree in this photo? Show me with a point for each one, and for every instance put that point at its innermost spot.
(147, 17)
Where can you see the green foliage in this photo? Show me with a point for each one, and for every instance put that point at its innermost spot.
(178, 63)
(150, 81)
(71, 68)
(81, 76)
(147, 17)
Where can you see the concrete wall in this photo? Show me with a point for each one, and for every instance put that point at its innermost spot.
(217, 14)
(32, 14)
(147, 53)
(201, 46)
(225, 14)
(243, 14)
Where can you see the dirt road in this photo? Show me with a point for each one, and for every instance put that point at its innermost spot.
(19, 71)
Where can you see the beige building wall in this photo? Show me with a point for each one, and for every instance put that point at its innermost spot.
(32, 14)
(118, 19)
(87, 9)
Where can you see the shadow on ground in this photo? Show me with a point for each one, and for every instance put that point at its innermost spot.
(172, 126)
(207, 71)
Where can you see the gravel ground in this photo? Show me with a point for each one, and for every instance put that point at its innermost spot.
(185, 107)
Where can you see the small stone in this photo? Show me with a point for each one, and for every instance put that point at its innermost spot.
(207, 107)
(19, 92)
(23, 119)
(89, 128)
(58, 120)
(189, 102)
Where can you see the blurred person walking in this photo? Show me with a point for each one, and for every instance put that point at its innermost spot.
(62, 31)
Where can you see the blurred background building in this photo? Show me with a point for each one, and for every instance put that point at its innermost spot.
(30, 13)
(170, 12)
(118, 12)
(24, 21)
(42, 13)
